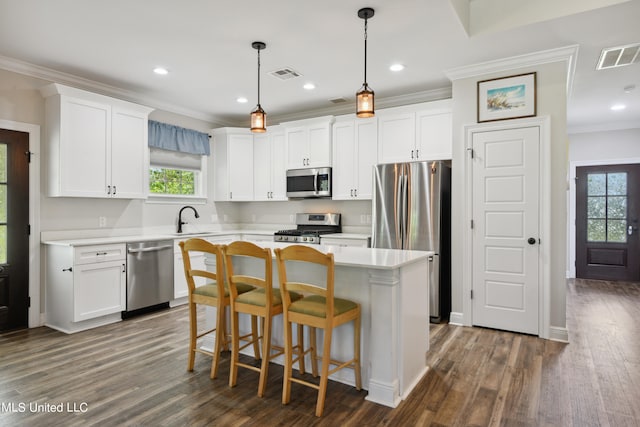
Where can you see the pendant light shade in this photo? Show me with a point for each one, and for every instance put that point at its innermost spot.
(365, 96)
(258, 116)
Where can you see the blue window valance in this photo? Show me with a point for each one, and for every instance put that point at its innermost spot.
(175, 138)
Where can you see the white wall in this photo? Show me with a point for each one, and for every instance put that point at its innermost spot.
(595, 148)
(551, 101)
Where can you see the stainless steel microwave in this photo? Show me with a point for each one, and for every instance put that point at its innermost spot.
(309, 182)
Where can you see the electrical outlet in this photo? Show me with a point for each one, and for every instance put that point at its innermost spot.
(363, 219)
(102, 221)
(226, 218)
(214, 218)
(369, 219)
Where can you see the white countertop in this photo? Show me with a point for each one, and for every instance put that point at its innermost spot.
(344, 256)
(345, 236)
(86, 241)
(385, 259)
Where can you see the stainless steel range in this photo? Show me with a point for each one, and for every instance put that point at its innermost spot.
(310, 226)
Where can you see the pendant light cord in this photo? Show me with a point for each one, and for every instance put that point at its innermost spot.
(365, 51)
(258, 76)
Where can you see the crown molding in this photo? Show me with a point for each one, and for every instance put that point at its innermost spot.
(349, 107)
(566, 54)
(50, 75)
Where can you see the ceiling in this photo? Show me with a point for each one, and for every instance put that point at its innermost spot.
(113, 46)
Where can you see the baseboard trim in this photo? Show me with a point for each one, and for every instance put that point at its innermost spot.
(558, 334)
(456, 318)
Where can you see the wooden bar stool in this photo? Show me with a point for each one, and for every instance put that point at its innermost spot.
(210, 290)
(317, 309)
(263, 302)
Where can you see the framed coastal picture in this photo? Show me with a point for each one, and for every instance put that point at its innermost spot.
(505, 98)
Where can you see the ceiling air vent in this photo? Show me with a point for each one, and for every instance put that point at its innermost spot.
(285, 74)
(619, 56)
(338, 100)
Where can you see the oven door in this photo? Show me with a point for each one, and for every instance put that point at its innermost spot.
(309, 183)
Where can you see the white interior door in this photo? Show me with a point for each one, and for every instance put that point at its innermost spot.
(505, 249)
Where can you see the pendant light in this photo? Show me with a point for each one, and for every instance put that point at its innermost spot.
(365, 96)
(258, 116)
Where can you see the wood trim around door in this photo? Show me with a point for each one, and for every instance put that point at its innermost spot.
(35, 318)
(544, 123)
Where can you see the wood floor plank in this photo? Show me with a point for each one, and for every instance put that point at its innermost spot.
(134, 374)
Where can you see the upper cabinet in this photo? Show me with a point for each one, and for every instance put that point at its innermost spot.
(233, 164)
(355, 152)
(308, 142)
(269, 174)
(416, 132)
(97, 145)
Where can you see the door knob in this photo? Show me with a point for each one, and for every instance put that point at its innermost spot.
(531, 241)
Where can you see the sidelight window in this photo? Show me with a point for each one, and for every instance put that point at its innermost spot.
(607, 207)
(3, 203)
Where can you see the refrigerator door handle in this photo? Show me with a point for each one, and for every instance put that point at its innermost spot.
(399, 210)
(404, 210)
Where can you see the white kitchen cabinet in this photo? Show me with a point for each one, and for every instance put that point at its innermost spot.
(355, 151)
(308, 142)
(85, 286)
(434, 137)
(269, 175)
(415, 132)
(233, 164)
(97, 145)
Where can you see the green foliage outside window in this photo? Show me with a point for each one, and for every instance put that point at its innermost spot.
(172, 181)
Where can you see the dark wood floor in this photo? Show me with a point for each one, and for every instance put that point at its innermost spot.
(134, 373)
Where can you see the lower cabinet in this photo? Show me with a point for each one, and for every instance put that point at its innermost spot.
(85, 286)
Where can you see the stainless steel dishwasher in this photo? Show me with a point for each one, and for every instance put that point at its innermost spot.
(149, 276)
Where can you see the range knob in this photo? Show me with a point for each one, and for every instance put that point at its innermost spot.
(304, 239)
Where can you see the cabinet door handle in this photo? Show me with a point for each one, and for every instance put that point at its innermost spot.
(108, 189)
(351, 192)
(230, 195)
(114, 190)
(124, 268)
(68, 269)
(355, 192)
(412, 154)
(100, 253)
(417, 157)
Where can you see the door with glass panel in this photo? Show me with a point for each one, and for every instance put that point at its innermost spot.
(607, 204)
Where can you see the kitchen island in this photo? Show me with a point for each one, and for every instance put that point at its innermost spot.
(393, 290)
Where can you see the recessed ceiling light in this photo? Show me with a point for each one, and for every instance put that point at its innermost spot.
(618, 107)
(309, 86)
(242, 99)
(161, 71)
(396, 67)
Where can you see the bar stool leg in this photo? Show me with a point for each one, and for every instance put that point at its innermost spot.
(266, 352)
(356, 352)
(301, 367)
(324, 375)
(233, 369)
(314, 351)
(193, 331)
(288, 349)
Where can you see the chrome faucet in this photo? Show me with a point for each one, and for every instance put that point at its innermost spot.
(180, 222)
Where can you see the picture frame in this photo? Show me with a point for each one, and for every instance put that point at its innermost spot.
(505, 98)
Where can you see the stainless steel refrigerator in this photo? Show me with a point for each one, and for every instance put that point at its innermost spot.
(412, 210)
